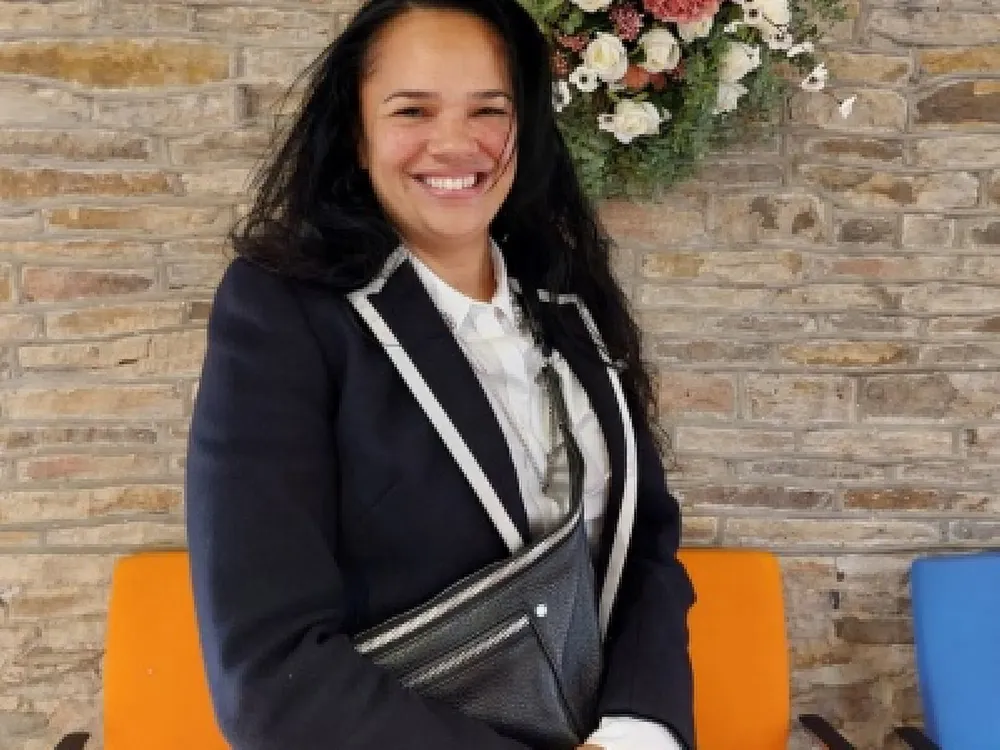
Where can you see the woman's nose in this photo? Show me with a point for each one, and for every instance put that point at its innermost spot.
(451, 135)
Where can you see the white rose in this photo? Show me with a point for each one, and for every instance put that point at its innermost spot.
(662, 50)
(695, 29)
(631, 120)
(740, 59)
(728, 97)
(607, 57)
(591, 6)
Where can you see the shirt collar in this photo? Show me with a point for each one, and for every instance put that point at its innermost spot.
(455, 306)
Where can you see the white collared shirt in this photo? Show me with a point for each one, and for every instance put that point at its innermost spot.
(506, 362)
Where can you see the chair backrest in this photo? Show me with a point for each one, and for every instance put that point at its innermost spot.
(739, 650)
(155, 691)
(156, 695)
(956, 622)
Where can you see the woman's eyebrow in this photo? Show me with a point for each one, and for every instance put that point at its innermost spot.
(417, 94)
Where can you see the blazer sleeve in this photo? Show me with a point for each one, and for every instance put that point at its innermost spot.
(261, 489)
(647, 665)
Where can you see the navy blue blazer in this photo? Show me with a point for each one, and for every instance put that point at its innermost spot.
(321, 501)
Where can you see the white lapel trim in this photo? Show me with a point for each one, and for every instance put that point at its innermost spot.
(630, 487)
(442, 423)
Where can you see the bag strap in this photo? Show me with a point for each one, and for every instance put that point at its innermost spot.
(442, 423)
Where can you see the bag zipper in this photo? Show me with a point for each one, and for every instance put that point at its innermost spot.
(442, 608)
(469, 653)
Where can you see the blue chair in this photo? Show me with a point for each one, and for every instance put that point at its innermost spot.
(956, 622)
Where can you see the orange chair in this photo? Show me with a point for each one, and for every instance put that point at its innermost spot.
(156, 695)
(739, 654)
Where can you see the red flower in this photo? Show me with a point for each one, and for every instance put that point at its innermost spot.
(574, 42)
(681, 11)
(627, 20)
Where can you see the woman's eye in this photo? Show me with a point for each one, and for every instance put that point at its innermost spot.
(492, 112)
(409, 112)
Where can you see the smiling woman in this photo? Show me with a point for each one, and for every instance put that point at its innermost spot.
(425, 502)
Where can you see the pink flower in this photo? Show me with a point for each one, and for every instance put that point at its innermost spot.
(627, 20)
(574, 42)
(681, 11)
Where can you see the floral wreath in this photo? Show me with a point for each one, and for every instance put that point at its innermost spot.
(644, 88)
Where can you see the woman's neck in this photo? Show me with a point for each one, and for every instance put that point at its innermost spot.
(467, 270)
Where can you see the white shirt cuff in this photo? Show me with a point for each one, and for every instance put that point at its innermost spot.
(628, 733)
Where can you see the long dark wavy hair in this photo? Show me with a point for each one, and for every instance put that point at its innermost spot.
(315, 215)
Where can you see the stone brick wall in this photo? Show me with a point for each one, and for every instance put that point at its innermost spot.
(824, 309)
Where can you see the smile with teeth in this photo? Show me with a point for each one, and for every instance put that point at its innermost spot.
(451, 183)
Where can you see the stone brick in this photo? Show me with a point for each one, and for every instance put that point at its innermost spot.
(980, 532)
(867, 230)
(749, 324)
(964, 325)
(270, 103)
(959, 61)
(218, 182)
(921, 28)
(74, 250)
(850, 354)
(859, 322)
(921, 499)
(733, 441)
(678, 221)
(849, 149)
(888, 267)
(118, 63)
(56, 16)
(874, 111)
(275, 63)
(881, 443)
(58, 602)
(741, 173)
(796, 398)
(962, 103)
(113, 401)
(20, 223)
(24, 184)
(703, 352)
(741, 266)
(827, 533)
(864, 188)
(928, 230)
(775, 216)
(49, 284)
(206, 108)
(6, 284)
(79, 467)
(867, 67)
(202, 277)
(273, 25)
(241, 146)
(982, 232)
(23, 570)
(97, 145)
(689, 394)
(699, 530)
(161, 220)
(126, 534)
(113, 320)
(29, 506)
(993, 191)
(980, 354)
(14, 327)
(874, 629)
(812, 469)
(948, 298)
(758, 496)
(22, 438)
(177, 353)
(32, 104)
(139, 15)
(959, 472)
(941, 395)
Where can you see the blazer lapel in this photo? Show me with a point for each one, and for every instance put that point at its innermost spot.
(410, 313)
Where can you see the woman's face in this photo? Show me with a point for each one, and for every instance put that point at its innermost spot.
(438, 128)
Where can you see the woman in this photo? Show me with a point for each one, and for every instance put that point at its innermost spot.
(321, 501)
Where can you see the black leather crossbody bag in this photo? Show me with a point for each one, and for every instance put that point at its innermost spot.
(516, 645)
